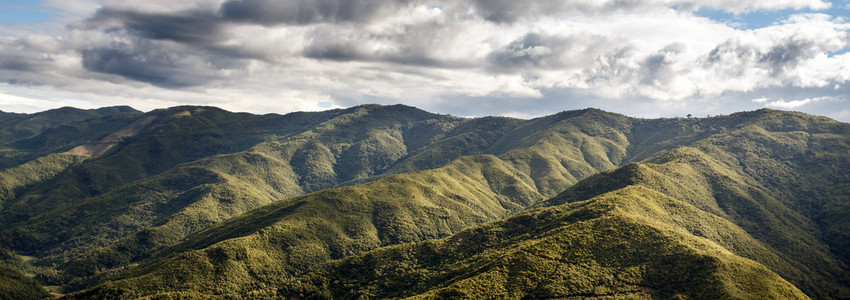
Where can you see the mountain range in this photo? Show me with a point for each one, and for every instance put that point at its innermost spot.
(395, 202)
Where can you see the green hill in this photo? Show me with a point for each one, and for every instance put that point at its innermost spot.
(176, 135)
(748, 232)
(629, 243)
(200, 201)
(694, 221)
(356, 145)
(781, 177)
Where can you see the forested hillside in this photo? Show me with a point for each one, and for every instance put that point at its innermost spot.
(197, 201)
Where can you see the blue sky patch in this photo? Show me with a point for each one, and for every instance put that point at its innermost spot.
(764, 18)
(23, 11)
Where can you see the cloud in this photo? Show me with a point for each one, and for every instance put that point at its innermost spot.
(195, 27)
(786, 55)
(300, 12)
(39, 60)
(791, 104)
(511, 11)
(154, 66)
(506, 56)
(548, 51)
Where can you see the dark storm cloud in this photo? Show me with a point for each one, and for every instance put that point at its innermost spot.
(143, 67)
(302, 12)
(191, 27)
(206, 30)
(143, 55)
(507, 11)
(157, 64)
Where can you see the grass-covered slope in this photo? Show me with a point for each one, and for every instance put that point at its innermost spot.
(779, 176)
(787, 243)
(633, 242)
(270, 244)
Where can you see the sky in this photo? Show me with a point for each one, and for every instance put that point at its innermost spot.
(642, 58)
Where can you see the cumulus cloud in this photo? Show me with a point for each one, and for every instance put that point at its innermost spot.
(791, 104)
(511, 11)
(511, 54)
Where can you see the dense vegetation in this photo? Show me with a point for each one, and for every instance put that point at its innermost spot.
(14, 285)
(632, 242)
(197, 201)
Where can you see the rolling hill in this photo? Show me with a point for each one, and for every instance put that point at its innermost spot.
(197, 201)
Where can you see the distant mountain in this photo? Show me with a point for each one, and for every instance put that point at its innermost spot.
(5, 115)
(197, 201)
(24, 137)
(15, 127)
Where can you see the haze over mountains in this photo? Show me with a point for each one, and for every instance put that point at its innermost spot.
(395, 202)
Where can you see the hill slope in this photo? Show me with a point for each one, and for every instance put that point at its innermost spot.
(210, 197)
(354, 145)
(633, 242)
(773, 227)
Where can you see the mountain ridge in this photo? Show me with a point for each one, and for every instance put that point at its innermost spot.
(177, 208)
